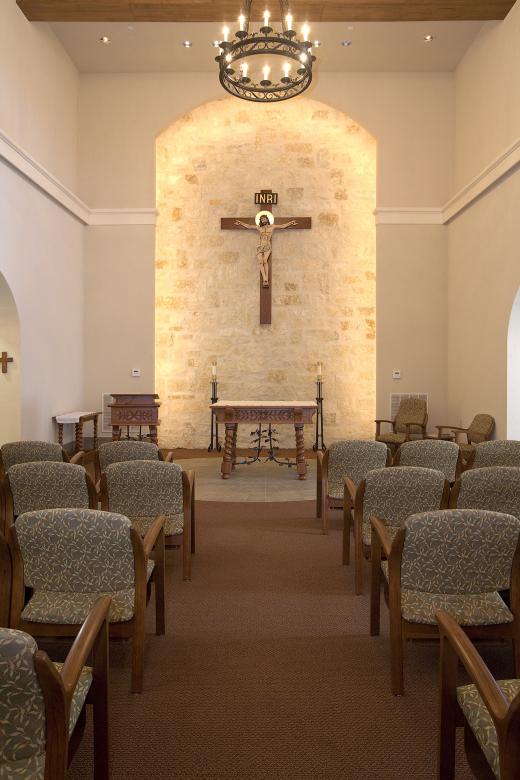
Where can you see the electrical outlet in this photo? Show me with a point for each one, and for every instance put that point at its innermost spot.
(396, 373)
(136, 372)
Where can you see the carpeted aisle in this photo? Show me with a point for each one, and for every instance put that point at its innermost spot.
(267, 669)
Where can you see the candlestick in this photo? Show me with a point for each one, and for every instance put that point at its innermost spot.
(241, 21)
(288, 21)
(225, 33)
(305, 32)
(286, 69)
(319, 370)
(244, 67)
(266, 69)
(214, 369)
(266, 18)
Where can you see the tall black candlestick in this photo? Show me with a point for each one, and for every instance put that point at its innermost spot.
(214, 442)
(319, 444)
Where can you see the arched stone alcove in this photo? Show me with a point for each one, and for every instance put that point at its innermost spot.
(209, 165)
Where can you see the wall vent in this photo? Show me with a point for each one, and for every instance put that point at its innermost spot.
(106, 399)
(396, 398)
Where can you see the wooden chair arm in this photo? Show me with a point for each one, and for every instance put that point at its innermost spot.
(453, 428)
(169, 457)
(350, 488)
(152, 535)
(492, 696)
(387, 421)
(379, 527)
(78, 457)
(83, 644)
(188, 485)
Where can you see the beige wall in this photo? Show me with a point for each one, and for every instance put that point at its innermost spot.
(409, 115)
(484, 239)
(10, 400)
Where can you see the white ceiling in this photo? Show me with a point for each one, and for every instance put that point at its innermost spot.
(157, 46)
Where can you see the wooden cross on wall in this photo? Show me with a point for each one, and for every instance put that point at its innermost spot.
(4, 360)
(266, 198)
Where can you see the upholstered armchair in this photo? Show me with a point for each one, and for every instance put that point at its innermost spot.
(29, 451)
(457, 560)
(68, 558)
(128, 449)
(480, 429)
(144, 490)
(501, 452)
(392, 494)
(46, 485)
(345, 459)
(496, 488)
(6, 575)
(431, 454)
(42, 704)
(410, 423)
(488, 709)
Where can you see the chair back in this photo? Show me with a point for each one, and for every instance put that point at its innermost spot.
(144, 488)
(27, 451)
(48, 485)
(481, 428)
(411, 410)
(76, 550)
(459, 551)
(122, 451)
(395, 494)
(495, 488)
(431, 454)
(354, 459)
(22, 713)
(502, 452)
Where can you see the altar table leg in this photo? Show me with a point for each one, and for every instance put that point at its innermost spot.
(301, 465)
(78, 444)
(60, 433)
(227, 460)
(116, 433)
(234, 450)
(153, 434)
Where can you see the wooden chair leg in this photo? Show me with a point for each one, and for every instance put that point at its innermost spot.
(193, 523)
(358, 560)
(516, 655)
(324, 515)
(138, 650)
(159, 578)
(375, 587)
(186, 553)
(396, 651)
(100, 706)
(448, 708)
(347, 522)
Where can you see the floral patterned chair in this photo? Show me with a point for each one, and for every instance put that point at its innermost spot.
(501, 452)
(122, 451)
(144, 490)
(410, 423)
(480, 429)
(42, 705)
(489, 709)
(431, 454)
(29, 451)
(65, 559)
(45, 485)
(345, 459)
(496, 488)
(455, 559)
(392, 494)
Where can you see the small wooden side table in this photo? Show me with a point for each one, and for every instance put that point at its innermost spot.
(77, 419)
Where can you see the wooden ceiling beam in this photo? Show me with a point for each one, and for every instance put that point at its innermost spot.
(225, 10)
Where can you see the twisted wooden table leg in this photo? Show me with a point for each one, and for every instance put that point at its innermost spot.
(301, 465)
(234, 447)
(227, 460)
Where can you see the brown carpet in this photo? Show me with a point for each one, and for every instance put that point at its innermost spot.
(267, 669)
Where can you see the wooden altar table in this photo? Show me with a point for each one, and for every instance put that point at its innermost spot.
(231, 413)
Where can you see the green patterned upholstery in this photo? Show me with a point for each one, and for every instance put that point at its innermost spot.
(504, 452)
(48, 485)
(481, 428)
(122, 451)
(432, 454)
(396, 493)
(457, 560)
(72, 557)
(411, 410)
(144, 489)
(496, 488)
(480, 721)
(353, 459)
(28, 451)
(22, 713)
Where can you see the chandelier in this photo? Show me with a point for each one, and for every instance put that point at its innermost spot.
(247, 62)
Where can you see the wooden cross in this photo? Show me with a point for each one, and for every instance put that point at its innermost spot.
(5, 360)
(229, 223)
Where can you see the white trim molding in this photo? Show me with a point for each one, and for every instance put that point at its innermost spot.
(408, 216)
(123, 217)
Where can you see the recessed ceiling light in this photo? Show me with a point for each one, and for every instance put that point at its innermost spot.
(187, 44)
(346, 43)
(216, 44)
(104, 39)
(428, 38)
(350, 27)
(316, 44)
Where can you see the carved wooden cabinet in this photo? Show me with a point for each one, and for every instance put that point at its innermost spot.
(132, 409)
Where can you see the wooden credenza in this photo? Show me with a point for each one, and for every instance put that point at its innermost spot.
(135, 409)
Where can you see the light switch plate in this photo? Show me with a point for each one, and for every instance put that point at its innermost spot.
(136, 372)
(396, 373)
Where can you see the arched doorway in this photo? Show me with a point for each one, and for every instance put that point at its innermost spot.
(513, 371)
(10, 418)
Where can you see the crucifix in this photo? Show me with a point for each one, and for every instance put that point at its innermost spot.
(265, 223)
(4, 360)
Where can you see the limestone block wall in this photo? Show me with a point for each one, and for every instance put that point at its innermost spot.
(209, 165)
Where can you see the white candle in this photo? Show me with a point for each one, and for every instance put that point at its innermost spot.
(286, 69)
(244, 67)
(305, 32)
(266, 18)
(266, 70)
(241, 21)
(225, 33)
(303, 57)
(214, 369)
(288, 21)
(319, 370)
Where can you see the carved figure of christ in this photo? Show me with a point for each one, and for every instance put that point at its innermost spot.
(265, 228)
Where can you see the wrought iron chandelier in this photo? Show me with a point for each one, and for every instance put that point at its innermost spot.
(244, 74)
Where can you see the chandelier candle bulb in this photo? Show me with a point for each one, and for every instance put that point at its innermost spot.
(319, 371)
(266, 18)
(241, 21)
(286, 69)
(265, 70)
(225, 33)
(288, 21)
(244, 68)
(305, 32)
